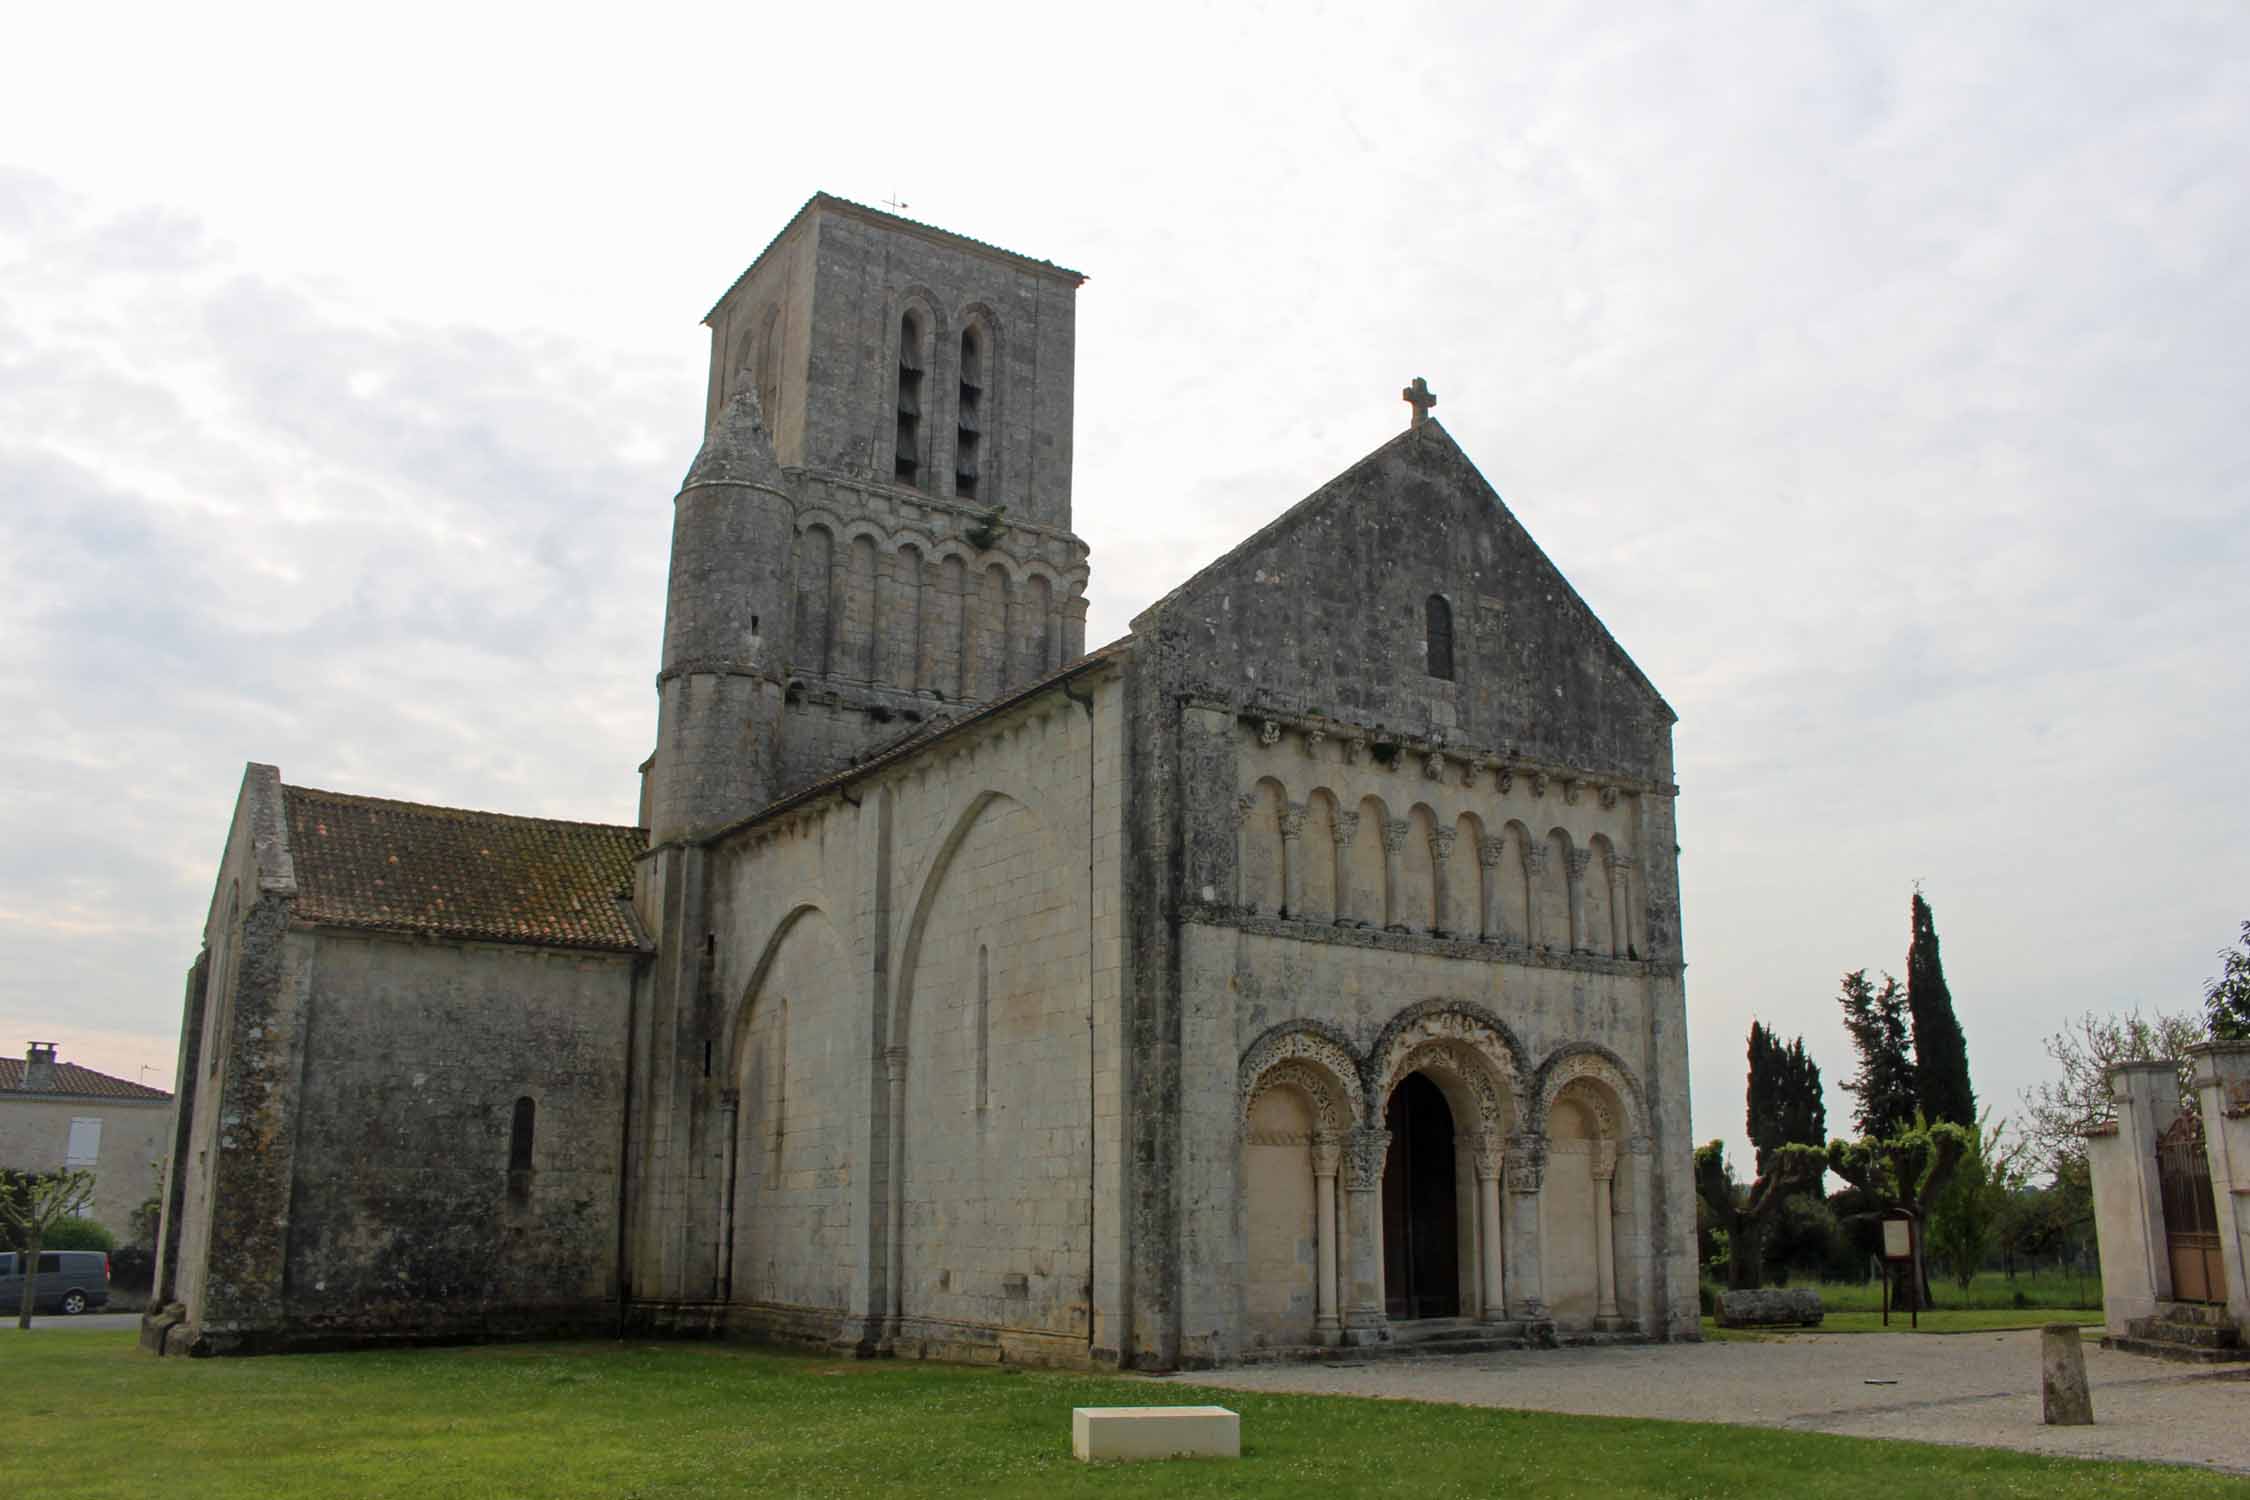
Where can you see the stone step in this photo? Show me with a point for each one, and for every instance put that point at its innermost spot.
(2210, 1314)
(2192, 1354)
(2200, 1335)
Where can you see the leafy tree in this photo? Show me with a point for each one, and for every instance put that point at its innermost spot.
(1966, 1219)
(2058, 1113)
(1743, 1214)
(1885, 1084)
(1786, 1106)
(1904, 1171)
(2226, 999)
(1941, 1055)
(29, 1204)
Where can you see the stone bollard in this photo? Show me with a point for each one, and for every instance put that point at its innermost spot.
(2065, 1398)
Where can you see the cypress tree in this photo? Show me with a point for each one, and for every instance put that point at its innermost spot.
(1885, 1083)
(1784, 1096)
(1941, 1055)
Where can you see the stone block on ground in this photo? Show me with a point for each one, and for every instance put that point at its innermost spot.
(2065, 1399)
(1770, 1307)
(1136, 1432)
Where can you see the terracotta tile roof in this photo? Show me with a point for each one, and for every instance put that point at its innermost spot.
(72, 1079)
(448, 872)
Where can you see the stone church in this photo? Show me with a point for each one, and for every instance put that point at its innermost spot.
(1301, 969)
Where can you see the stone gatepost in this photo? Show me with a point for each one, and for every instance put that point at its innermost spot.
(2128, 1204)
(2222, 1090)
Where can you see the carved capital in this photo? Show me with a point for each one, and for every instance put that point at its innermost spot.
(1441, 842)
(1244, 805)
(1269, 734)
(1394, 834)
(1433, 766)
(1535, 859)
(894, 1064)
(1580, 859)
(1490, 849)
(1527, 1163)
(1618, 865)
(1292, 820)
(1347, 827)
(1488, 1154)
(1327, 1153)
(1363, 1169)
(1605, 1161)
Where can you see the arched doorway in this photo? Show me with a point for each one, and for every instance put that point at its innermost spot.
(1421, 1227)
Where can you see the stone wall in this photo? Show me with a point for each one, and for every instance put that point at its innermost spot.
(406, 1217)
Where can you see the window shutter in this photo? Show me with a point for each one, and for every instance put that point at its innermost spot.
(85, 1143)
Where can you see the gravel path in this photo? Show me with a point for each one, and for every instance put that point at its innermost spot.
(1980, 1388)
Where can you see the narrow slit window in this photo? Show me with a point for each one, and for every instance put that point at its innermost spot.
(984, 1026)
(907, 466)
(968, 434)
(1438, 618)
(519, 1135)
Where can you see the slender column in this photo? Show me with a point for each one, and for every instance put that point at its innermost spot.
(1526, 1167)
(1488, 1160)
(1394, 839)
(1327, 1157)
(1364, 1319)
(1347, 900)
(1605, 1235)
(894, 1064)
(1441, 861)
(1495, 919)
(1579, 860)
(1292, 859)
(1243, 806)
(1620, 870)
(1534, 875)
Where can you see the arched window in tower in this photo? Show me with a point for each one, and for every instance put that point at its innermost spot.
(907, 467)
(968, 429)
(1438, 634)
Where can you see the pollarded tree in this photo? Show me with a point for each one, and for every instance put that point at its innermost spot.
(2058, 1113)
(2226, 999)
(1941, 1054)
(1746, 1213)
(1786, 1104)
(32, 1202)
(1876, 1022)
(1905, 1171)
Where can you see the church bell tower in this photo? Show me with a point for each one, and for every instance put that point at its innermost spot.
(877, 530)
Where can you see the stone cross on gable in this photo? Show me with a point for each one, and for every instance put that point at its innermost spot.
(1418, 396)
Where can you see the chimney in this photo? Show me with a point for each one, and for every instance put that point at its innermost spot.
(39, 1069)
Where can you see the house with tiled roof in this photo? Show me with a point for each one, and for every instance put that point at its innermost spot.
(1302, 969)
(56, 1114)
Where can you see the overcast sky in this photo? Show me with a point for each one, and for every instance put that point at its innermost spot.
(1876, 373)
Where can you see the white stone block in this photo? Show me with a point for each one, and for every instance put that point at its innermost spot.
(1137, 1432)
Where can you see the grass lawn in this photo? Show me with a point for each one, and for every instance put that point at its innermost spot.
(1991, 1291)
(1934, 1320)
(94, 1417)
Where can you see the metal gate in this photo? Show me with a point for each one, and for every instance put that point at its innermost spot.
(2191, 1220)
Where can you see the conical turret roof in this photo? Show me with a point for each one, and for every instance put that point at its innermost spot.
(737, 449)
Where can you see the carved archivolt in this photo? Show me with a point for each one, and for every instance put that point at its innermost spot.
(1468, 1030)
(1460, 1062)
(1311, 1061)
(1603, 1086)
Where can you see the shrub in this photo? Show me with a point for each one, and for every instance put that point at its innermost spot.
(77, 1234)
(132, 1268)
(1707, 1296)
